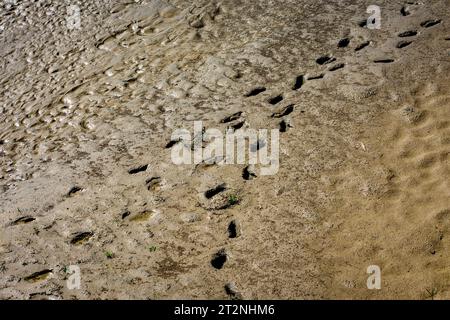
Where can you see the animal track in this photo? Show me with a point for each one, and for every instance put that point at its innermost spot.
(337, 67)
(38, 276)
(171, 143)
(153, 183)
(22, 220)
(249, 172)
(234, 230)
(236, 126)
(74, 190)
(384, 61)
(430, 23)
(325, 60)
(81, 237)
(138, 169)
(233, 117)
(343, 43)
(403, 44)
(231, 290)
(219, 259)
(255, 91)
(362, 46)
(216, 190)
(275, 100)
(284, 125)
(298, 82)
(320, 76)
(405, 11)
(410, 33)
(287, 110)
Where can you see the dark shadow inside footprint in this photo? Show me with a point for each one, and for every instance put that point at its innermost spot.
(430, 23)
(153, 183)
(325, 60)
(138, 169)
(343, 43)
(298, 82)
(22, 220)
(81, 237)
(384, 61)
(337, 67)
(287, 110)
(405, 11)
(255, 91)
(216, 190)
(410, 33)
(403, 44)
(276, 99)
(219, 259)
(233, 230)
(249, 173)
(363, 23)
(38, 276)
(171, 143)
(362, 46)
(74, 190)
(233, 117)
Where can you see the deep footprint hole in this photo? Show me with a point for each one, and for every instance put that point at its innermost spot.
(219, 259)
(325, 60)
(255, 91)
(216, 190)
(275, 100)
(138, 169)
(298, 82)
(343, 43)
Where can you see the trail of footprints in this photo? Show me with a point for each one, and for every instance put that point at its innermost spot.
(237, 121)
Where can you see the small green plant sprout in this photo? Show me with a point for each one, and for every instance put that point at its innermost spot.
(109, 254)
(152, 249)
(233, 199)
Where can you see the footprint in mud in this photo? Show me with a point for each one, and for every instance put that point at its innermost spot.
(383, 60)
(216, 190)
(409, 33)
(316, 77)
(232, 292)
(231, 118)
(236, 126)
(287, 110)
(171, 143)
(38, 276)
(125, 214)
(403, 44)
(22, 220)
(343, 43)
(153, 183)
(234, 230)
(299, 81)
(74, 190)
(325, 60)
(219, 258)
(255, 91)
(249, 172)
(362, 45)
(337, 67)
(275, 100)
(140, 216)
(285, 124)
(430, 23)
(448, 39)
(138, 169)
(404, 11)
(81, 237)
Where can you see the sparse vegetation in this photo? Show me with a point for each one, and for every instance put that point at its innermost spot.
(233, 199)
(152, 249)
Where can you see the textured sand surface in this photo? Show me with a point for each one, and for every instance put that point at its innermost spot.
(86, 176)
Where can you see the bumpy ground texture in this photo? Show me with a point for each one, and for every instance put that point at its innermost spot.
(86, 176)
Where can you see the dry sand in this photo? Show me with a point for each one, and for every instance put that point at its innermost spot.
(86, 177)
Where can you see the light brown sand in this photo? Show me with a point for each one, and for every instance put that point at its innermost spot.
(364, 165)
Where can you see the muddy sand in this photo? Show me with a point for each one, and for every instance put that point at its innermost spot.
(88, 185)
